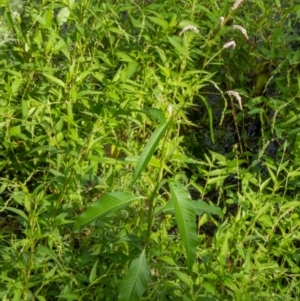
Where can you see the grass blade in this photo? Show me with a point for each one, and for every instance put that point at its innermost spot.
(186, 220)
(135, 282)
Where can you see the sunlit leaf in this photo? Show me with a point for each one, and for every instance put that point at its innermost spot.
(55, 80)
(186, 220)
(63, 15)
(135, 282)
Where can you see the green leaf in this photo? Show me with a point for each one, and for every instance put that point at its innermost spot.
(184, 278)
(129, 71)
(161, 22)
(175, 41)
(107, 205)
(93, 273)
(155, 113)
(17, 211)
(260, 84)
(47, 251)
(292, 204)
(135, 282)
(184, 23)
(210, 118)
(149, 149)
(55, 80)
(186, 220)
(202, 207)
(63, 15)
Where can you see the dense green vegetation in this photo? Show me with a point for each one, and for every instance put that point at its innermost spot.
(150, 150)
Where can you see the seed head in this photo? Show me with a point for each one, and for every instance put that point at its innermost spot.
(229, 44)
(237, 97)
(189, 27)
(236, 4)
(222, 19)
(170, 110)
(242, 30)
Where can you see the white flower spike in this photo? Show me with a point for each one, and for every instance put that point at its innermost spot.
(242, 30)
(236, 4)
(189, 27)
(237, 97)
(222, 19)
(229, 44)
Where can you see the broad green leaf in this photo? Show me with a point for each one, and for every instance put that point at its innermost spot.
(17, 294)
(47, 251)
(155, 113)
(24, 105)
(124, 57)
(161, 22)
(175, 41)
(186, 220)
(184, 23)
(131, 69)
(215, 180)
(290, 205)
(48, 15)
(15, 130)
(200, 207)
(108, 204)
(184, 278)
(17, 211)
(38, 18)
(224, 250)
(16, 84)
(93, 273)
(63, 15)
(149, 149)
(135, 282)
(55, 80)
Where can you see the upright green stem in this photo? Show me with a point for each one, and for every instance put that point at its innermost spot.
(150, 216)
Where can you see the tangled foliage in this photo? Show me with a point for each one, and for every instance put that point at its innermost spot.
(149, 150)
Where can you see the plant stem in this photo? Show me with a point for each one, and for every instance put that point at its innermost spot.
(150, 216)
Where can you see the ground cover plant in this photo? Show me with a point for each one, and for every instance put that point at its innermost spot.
(149, 150)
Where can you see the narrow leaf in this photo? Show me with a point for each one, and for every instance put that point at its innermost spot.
(210, 118)
(108, 204)
(149, 149)
(186, 220)
(161, 22)
(55, 80)
(200, 207)
(135, 282)
(93, 273)
(176, 43)
(17, 211)
(203, 207)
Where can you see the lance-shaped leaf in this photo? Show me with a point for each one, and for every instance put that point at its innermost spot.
(200, 207)
(149, 149)
(108, 204)
(186, 220)
(135, 282)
